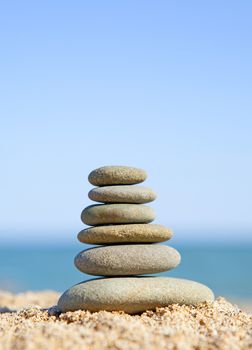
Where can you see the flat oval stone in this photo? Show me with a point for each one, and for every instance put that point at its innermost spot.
(127, 260)
(133, 294)
(101, 214)
(116, 175)
(122, 194)
(131, 233)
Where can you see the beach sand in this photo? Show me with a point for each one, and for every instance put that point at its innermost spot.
(26, 323)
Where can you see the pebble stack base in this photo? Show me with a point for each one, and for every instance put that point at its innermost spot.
(133, 294)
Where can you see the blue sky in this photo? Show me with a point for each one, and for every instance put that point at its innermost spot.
(162, 85)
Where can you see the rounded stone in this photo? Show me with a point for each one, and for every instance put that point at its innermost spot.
(122, 194)
(116, 175)
(127, 260)
(132, 233)
(100, 214)
(133, 294)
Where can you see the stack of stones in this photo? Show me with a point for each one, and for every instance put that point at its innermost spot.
(127, 250)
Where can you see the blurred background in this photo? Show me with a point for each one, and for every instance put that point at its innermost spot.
(161, 85)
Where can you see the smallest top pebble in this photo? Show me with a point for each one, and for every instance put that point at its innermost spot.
(116, 175)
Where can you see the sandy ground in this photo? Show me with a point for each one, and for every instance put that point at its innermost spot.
(27, 324)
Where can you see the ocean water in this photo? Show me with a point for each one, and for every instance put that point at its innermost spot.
(226, 269)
